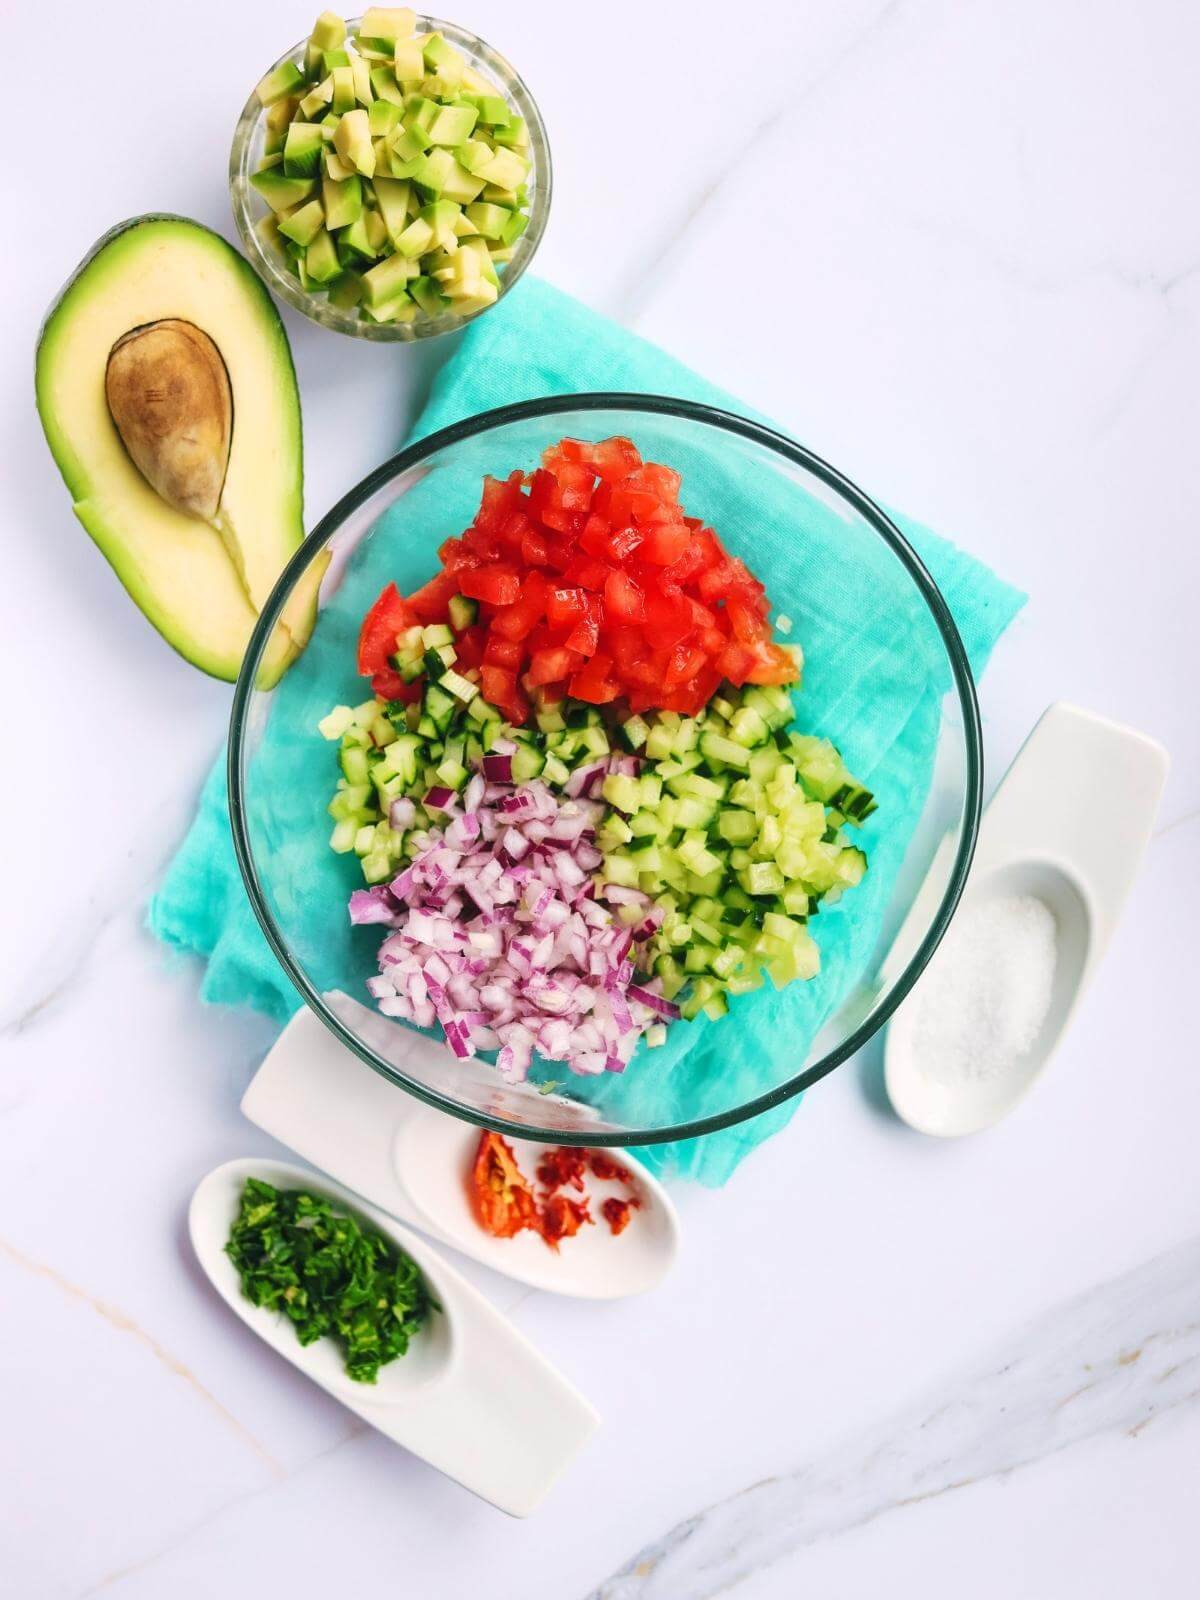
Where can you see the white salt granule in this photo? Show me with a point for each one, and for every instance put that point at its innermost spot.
(982, 1002)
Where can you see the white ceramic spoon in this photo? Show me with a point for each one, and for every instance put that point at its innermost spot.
(318, 1098)
(1069, 824)
(472, 1396)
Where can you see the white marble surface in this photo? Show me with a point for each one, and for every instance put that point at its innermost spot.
(955, 248)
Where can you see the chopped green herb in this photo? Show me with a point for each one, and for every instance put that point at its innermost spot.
(328, 1275)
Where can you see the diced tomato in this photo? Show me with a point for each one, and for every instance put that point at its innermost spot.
(526, 611)
(685, 661)
(590, 580)
(469, 646)
(430, 603)
(545, 666)
(664, 543)
(774, 665)
(534, 549)
(735, 661)
(389, 685)
(565, 605)
(455, 554)
(623, 600)
(501, 497)
(586, 571)
(747, 624)
(501, 652)
(498, 585)
(668, 616)
(585, 635)
(592, 683)
(390, 616)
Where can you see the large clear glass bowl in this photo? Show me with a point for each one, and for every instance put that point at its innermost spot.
(845, 574)
(248, 210)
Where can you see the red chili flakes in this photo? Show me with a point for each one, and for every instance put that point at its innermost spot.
(562, 1218)
(618, 1212)
(563, 1167)
(504, 1203)
(604, 1166)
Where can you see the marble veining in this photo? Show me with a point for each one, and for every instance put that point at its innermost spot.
(1110, 1361)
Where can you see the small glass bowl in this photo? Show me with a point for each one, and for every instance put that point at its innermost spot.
(248, 210)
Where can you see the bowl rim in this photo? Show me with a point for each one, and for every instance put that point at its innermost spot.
(316, 307)
(655, 405)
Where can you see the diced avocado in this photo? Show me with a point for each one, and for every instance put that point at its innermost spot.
(352, 142)
(460, 185)
(487, 219)
(407, 143)
(316, 100)
(514, 134)
(429, 297)
(332, 59)
(415, 239)
(302, 150)
(400, 308)
(346, 290)
(506, 169)
(377, 234)
(475, 155)
(408, 62)
(383, 116)
(282, 193)
(321, 258)
(478, 248)
(439, 52)
(329, 33)
(363, 92)
(514, 227)
(276, 123)
(441, 215)
(356, 240)
(388, 22)
(383, 81)
(335, 168)
(493, 109)
(343, 96)
(484, 296)
(286, 77)
(343, 202)
(419, 112)
(387, 279)
(392, 195)
(452, 125)
(302, 225)
(199, 591)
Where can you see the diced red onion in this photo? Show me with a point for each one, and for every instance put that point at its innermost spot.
(498, 768)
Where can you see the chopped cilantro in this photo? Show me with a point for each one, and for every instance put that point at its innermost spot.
(329, 1275)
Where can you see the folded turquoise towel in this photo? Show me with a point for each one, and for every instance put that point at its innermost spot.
(539, 341)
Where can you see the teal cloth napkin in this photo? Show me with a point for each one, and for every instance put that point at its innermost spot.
(874, 682)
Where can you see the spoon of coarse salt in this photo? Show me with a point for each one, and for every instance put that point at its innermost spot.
(1059, 847)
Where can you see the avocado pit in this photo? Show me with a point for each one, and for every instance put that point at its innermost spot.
(170, 400)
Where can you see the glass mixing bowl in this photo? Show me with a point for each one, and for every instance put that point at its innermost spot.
(843, 563)
(248, 210)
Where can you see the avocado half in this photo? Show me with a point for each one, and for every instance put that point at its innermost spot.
(201, 576)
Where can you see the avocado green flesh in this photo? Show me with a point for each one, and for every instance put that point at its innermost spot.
(202, 597)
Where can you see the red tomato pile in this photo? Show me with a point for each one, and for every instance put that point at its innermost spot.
(591, 583)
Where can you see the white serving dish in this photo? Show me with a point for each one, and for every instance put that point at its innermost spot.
(316, 1096)
(472, 1396)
